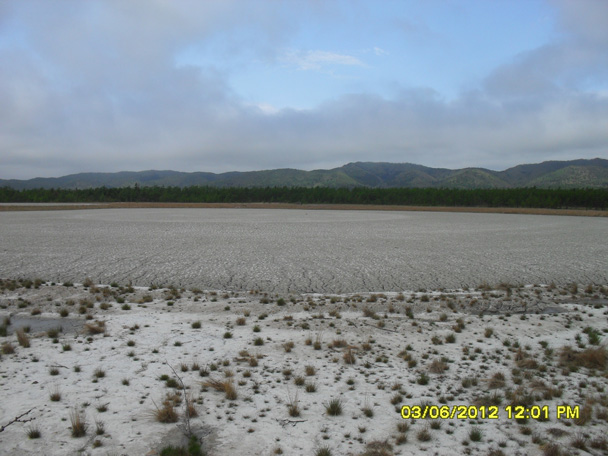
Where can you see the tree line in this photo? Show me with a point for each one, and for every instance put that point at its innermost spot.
(587, 198)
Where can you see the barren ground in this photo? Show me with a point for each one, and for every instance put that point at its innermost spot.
(374, 353)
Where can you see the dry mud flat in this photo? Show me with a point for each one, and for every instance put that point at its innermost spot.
(299, 251)
(299, 374)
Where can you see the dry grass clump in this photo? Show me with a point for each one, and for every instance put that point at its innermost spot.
(367, 312)
(323, 451)
(522, 397)
(55, 395)
(33, 432)
(497, 381)
(79, 424)
(591, 358)
(7, 348)
(97, 327)
(334, 407)
(224, 386)
(349, 356)
(585, 414)
(551, 449)
(488, 399)
(438, 366)
(22, 338)
(468, 382)
(378, 448)
(424, 434)
(167, 413)
(288, 346)
(338, 343)
(524, 361)
(310, 370)
(293, 407)
(579, 441)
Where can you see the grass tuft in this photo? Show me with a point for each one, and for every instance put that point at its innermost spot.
(22, 338)
(79, 424)
(334, 407)
(33, 432)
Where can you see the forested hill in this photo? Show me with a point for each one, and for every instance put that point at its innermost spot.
(551, 174)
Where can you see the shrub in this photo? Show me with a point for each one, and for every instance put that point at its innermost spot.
(196, 324)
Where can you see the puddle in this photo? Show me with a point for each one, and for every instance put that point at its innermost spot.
(42, 324)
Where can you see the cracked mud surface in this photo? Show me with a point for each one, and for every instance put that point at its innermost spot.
(302, 251)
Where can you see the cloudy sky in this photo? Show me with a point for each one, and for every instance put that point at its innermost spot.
(221, 85)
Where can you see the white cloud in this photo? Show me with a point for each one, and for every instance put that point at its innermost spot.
(380, 51)
(316, 60)
(106, 98)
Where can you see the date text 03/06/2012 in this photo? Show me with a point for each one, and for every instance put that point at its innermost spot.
(492, 412)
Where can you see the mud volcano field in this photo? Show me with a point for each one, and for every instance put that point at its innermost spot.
(302, 251)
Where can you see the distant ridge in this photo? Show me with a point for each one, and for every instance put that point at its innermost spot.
(550, 174)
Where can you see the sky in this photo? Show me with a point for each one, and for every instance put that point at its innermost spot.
(239, 85)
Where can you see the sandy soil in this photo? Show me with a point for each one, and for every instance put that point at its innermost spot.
(480, 346)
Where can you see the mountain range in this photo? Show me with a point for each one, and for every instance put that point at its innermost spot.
(550, 174)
